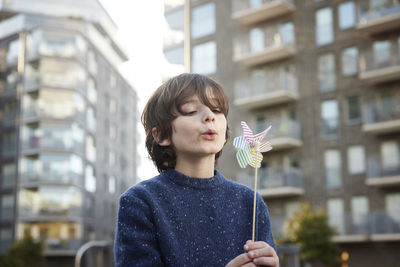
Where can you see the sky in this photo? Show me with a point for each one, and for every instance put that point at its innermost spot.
(141, 26)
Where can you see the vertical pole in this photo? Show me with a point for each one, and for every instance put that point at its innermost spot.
(254, 204)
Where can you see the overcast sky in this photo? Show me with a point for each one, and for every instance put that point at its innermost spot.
(141, 27)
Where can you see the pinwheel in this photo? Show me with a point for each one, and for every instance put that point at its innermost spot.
(249, 152)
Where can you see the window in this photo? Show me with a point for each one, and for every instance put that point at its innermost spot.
(13, 51)
(333, 169)
(90, 179)
(350, 61)
(387, 104)
(92, 91)
(390, 156)
(335, 210)
(205, 58)
(258, 81)
(353, 110)
(393, 206)
(7, 207)
(175, 19)
(326, 72)
(111, 185)
(256, 40)
(9, 144)
(347, 15)
(203, 20)
(382, 53)
(330, 119)
(90, 148)
(356, 159)
(359, 211)
(174, 55)
(286, 31)
(324, 24)
(8, 174)
(91, 119)
(5, 239)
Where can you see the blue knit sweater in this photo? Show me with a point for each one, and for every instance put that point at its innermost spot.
(176, 220)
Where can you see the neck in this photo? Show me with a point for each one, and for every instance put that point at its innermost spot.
(200, 168)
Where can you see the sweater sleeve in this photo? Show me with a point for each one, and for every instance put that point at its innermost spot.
(135, 238)
(264, 223)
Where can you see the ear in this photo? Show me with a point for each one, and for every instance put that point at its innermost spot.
(165, 142)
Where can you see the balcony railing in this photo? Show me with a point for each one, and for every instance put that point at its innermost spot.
(267, 44)
(380, 66)
(274, 183)
(33, 113)
(376, 226)
(383, 174)
(379, 19)
(276, 87)
(52, 143)
(284, 134)
(248, 12)
(67, 177)
(28, 213)
(379, 121)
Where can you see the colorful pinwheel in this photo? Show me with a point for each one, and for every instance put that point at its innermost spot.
(250, 147)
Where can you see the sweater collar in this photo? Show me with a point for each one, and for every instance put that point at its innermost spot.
(181, 179)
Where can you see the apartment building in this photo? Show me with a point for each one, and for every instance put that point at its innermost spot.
(326, 76)
(68, 125)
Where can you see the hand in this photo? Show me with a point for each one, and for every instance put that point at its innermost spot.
(243, 260)
(262, 254)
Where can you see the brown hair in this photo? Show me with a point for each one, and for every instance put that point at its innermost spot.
(165, 105)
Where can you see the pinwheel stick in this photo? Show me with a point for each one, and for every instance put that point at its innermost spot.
(257, 149)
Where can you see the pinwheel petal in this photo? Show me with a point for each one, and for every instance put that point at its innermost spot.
(240, 142)
(265, 146)
(247, 132)
(260, 136)
(256, 159)
(243, 157)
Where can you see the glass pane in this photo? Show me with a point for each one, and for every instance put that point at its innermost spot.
(347, 18)
(203, 20)
(336, 214)
(354, 112)
(381, 53)
(359, 210)
(356, 159)
(324, 24)
(333, 170)
(326, 72)
(390, 155)
(350, 61)
(256, 40)
(205, 58)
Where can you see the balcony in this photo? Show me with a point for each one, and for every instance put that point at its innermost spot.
(34, 144)
(29, 179)
(276, 183)
(284, 134)
(378, 121)
(33, 113)
(380, 66)
(376, 226)
(272, 88)
(383, 175)
(246, 13)
(377, 20)
(265, 45)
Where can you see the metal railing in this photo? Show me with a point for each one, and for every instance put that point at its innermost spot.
(239, 5)
(273, 178)
(368, 13)
(268, 82)
(380, 112)
(102, 257)
(380, 58)
(376, 169)
(268, 37)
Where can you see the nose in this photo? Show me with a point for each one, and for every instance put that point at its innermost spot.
(209, 116)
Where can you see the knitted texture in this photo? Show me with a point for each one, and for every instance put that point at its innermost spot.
(176, 220)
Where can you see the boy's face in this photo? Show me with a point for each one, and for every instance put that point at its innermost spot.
(199, 131)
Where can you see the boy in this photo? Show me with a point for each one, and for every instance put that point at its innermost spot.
(175, 219)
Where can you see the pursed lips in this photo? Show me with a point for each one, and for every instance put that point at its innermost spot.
(209, 134)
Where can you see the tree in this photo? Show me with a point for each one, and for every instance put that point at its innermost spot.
(311, 231)
(24, 252)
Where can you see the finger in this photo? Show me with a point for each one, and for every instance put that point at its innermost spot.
(239, 260)
(268, 261)
(262, 252)
(250, 264)
(255, 245)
